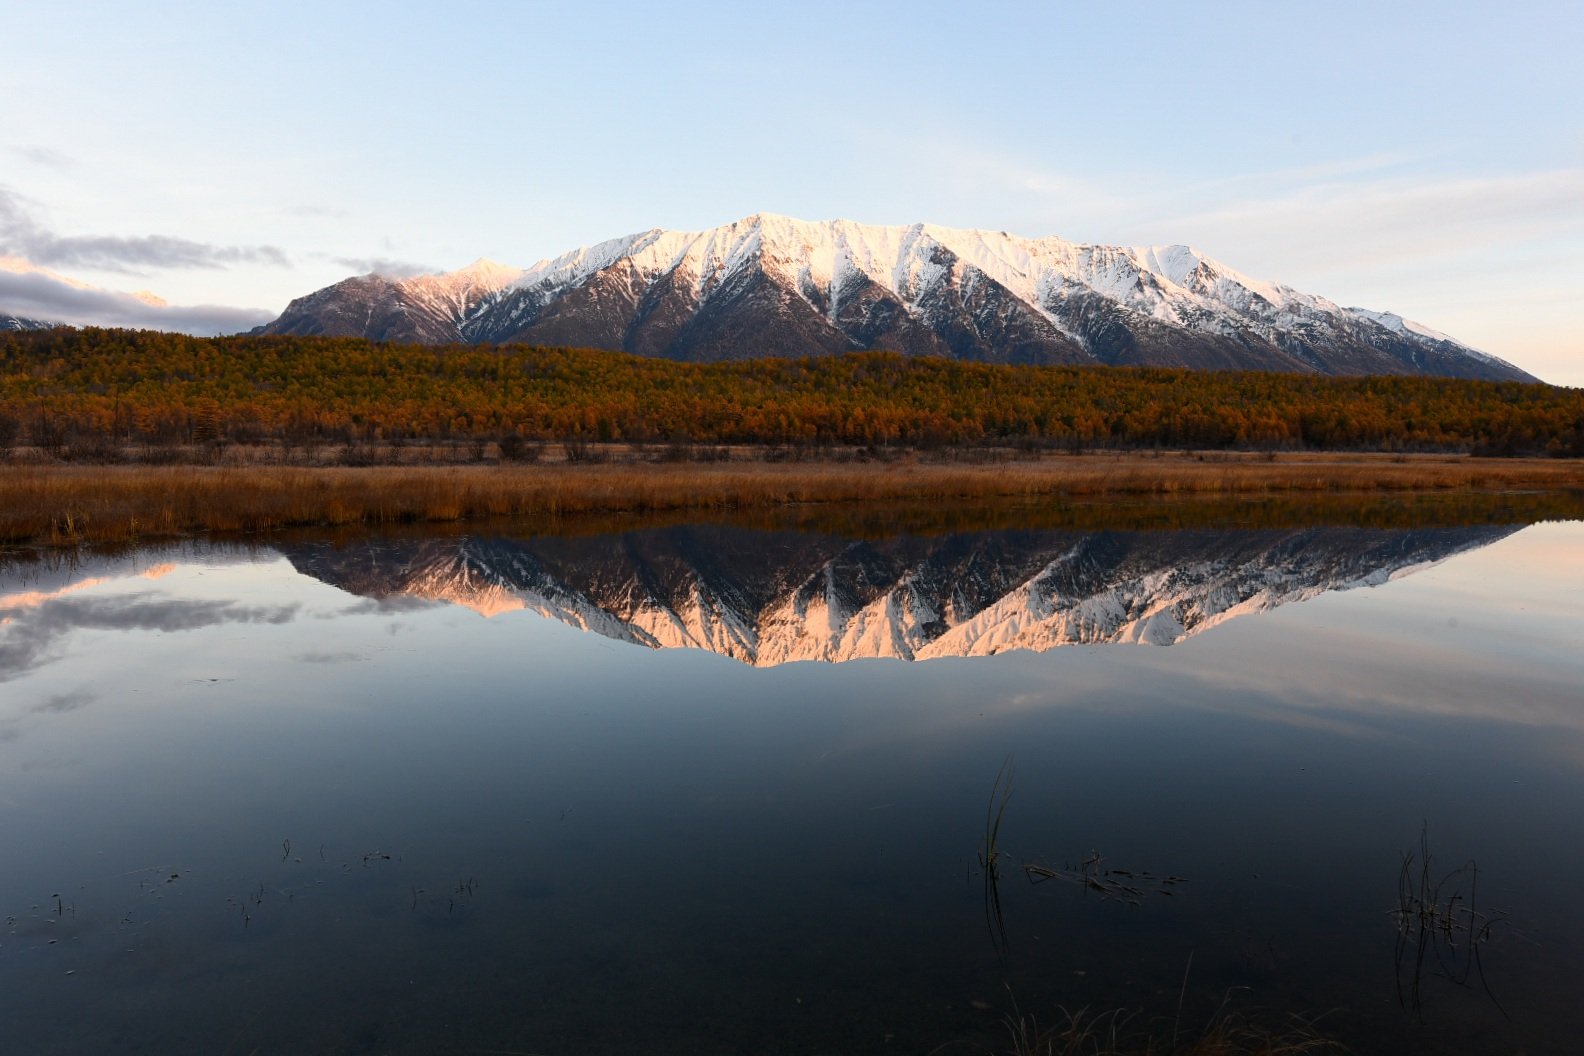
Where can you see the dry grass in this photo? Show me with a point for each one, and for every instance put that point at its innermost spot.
(76, 504)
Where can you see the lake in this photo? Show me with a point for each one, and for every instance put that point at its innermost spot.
(708, 788)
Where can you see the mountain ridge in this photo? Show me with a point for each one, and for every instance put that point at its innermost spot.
(768, 598)
(773, 285)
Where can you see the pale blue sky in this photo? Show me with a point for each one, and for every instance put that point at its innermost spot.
(1422, 158)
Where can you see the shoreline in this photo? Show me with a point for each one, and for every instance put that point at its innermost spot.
(56, 505)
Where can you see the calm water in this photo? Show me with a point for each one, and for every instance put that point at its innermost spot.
(589, 795)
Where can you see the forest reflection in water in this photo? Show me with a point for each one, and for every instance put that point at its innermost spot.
(307, 774)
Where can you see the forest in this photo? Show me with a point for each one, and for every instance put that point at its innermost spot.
(90, 393)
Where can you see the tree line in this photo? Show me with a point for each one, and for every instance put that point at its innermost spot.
(63, 386)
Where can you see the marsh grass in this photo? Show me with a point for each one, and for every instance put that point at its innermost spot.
(990, 855)
(995, 812)
(65, 504)
(1441, 928)
(1120, 1032)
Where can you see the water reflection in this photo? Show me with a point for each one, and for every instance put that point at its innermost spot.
(34, 624)
(232, 786)
(767, 598)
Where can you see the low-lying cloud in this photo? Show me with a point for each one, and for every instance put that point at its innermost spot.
(34, 295)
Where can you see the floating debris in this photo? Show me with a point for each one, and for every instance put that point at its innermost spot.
(1091, 874)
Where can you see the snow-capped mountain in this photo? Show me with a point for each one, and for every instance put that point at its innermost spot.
(772, 285)
(769, 598)
(427, 309)
(12, 322)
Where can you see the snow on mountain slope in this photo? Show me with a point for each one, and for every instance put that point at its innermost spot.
(773, 285)
(461, 294)
(825, 258)
(1398, 325)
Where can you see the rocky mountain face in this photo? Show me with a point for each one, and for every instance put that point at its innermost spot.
(768, 598)
(428, 309)
(770, 285)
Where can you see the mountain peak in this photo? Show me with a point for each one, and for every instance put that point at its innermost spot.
(769, 284)
(485, 268)
(1174, 262)
(761, 219)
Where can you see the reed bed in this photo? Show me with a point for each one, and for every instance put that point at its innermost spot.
(67, 504)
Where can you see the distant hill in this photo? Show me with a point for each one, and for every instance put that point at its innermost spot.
(774, 286)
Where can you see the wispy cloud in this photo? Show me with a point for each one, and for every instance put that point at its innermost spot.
(1337, 221)
(398, 269)
(44, 156)
(1284, 223)
(22, 233)
(1262, 181)
(1025, 188)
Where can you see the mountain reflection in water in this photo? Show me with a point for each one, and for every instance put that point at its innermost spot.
(768, 598)
(230, 785)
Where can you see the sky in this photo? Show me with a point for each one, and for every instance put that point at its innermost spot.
(1420, 158)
